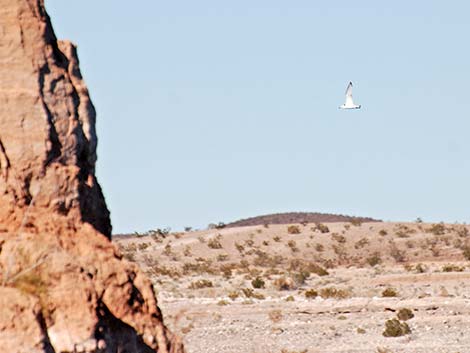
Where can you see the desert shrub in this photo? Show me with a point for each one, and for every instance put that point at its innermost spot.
(322, 228)
(275, 315)
(289, 298)
(319, 247)
(250, 293)
(188, 229)
(265, 242)
(277, 239)
(374, 259)
(452, 268)
(292, 229)
(383, 232)
(199, 267)
(239, 247)
(219, 225)
(437, 229)
(284, 283)
(222, 257)
(258, 283)
(214, 243)
(307, 267)
(292, 245)
(466, 252)
(420, 268)
(311, 293)
(395, 328)
(299, 278)
(233, 295)
(360, 330)
(339, 238)
(201, 239)
(405, 314)
(332, 292)
(356, 222)
(222, 302)
(396, 253)
(201, 283)
(361, 243)
(462, 232)
(249, 242)
(187, 251)
(142, 246)
(168, 250)
(389, 292)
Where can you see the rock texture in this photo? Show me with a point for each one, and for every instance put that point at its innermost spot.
(47, 126)
(63, 286)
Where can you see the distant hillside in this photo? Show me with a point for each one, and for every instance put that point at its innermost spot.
(298, 217)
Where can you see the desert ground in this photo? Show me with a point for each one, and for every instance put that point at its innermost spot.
(377, 287)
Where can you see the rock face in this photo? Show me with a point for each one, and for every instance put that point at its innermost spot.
(47, 126)
(63, 286)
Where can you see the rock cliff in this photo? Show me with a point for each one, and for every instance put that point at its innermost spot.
(47, 126)
(63, 286)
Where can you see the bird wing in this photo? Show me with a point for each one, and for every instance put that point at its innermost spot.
(349, 97)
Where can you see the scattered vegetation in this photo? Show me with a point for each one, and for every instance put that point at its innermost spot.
(374, 259)
(214, 243)
(322, 228)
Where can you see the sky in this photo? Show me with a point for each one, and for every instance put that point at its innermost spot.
(212, 111)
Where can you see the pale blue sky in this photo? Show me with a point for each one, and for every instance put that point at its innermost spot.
(218, 110)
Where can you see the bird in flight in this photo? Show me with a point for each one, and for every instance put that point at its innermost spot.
(349, 103)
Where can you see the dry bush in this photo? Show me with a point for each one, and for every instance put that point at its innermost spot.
(322, 228)
(258, 283)
(405, 314)
(319, 247)
(222, 302)
(277, 239)
(383, 232)
(162, 270)
(263, 259)
(311, 293)
(452, 268)
(389, 292)
(466, 252)
(356, 222)
(187, 251)
(332, 292)
(284, 283)
(233, 295)
(396, 253)
(240, 248)
(395, 328)
(374, 259)
(339, 238)
(250, 293)
(462, 232)
(292, 245)
(275, 316)
(289, 298)
(214, 243)
(307, 267)
(201, 283)
(361, 243)
(437, 229)
(200, 267)
(265, 242)
(292, 229)
(222, 257)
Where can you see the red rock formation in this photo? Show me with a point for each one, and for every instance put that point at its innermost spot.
(63, 286)
(47, 125)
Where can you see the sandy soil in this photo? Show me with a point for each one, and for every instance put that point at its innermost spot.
(204, 282)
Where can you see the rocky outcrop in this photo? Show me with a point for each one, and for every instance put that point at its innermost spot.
(47, 126)
(63, 286)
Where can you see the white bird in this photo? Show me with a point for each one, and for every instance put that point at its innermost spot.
(349, 103)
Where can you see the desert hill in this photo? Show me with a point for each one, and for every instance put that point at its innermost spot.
(298, 217)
